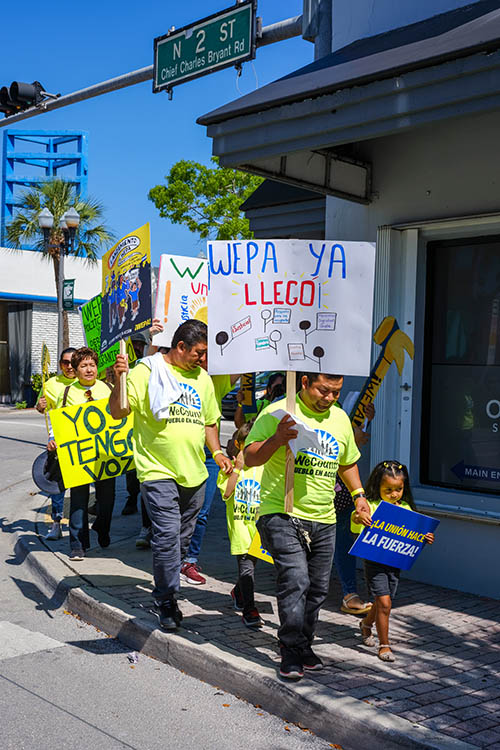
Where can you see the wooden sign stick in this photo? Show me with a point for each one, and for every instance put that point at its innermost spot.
(123, 377)
(290, 458)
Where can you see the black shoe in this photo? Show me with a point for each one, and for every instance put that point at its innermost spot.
(168, 614)
(102, 536)
(291, 667)
(310, 660)
(129, 508)
(252, 619)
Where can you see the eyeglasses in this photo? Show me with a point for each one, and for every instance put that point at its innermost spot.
(89, 396)
(66, 362)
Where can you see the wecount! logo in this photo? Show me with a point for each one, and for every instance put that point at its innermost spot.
(189, 397)
(329, 446)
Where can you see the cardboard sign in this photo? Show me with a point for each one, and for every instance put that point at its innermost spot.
(90, 316)
(126, 288)
(91, 445)
(257, 550)
(396, 536)
(290, 305)
(182, 294)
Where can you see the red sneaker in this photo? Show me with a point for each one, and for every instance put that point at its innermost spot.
(190, 574)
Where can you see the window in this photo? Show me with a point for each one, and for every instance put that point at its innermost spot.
(460, 437)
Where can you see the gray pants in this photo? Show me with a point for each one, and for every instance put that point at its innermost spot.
(173, 511)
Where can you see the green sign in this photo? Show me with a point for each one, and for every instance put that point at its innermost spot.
(68, 289)
(91, 313)
(216, 42)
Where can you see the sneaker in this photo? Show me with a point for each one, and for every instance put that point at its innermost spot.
(310, 660)
(168, 614)
(76, 555)
(55, 531)
(291, 667)
(143, 541)
(252, 619)
(237, 600)
(190, 574)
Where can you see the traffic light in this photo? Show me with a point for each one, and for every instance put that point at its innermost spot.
(20, 96)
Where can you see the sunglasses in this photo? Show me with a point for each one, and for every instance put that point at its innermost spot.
(89, 396)
(66, 362)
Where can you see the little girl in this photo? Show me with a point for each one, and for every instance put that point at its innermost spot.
(241, 493)
(388, 481)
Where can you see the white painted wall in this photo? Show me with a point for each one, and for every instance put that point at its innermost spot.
(356, 19)
(44, 330)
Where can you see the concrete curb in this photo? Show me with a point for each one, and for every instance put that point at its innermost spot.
(349, 721)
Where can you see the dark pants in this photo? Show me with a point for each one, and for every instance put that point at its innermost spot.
(211, 492)
(244, 588)
(344, 562)
(133, 489)
(78, 511)
(303, 576)
(173, 511)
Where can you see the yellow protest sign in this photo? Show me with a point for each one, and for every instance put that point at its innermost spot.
(257, 550)
(91, 445)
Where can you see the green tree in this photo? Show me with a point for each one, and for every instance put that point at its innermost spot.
(58, 195)
(206, 199)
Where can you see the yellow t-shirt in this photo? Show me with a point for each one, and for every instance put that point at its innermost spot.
(315, 472)
(242, 507)
(357, 528)
(54, 387)
(172, 448)
(77, 391)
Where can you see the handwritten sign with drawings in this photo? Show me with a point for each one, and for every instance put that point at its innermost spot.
(126, 288)
(182, 294)
(290, 305)
(90, 316)
(396, 536)
(91, 445)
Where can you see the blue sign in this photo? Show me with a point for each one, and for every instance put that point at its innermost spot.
(469, 471)
(395, 538)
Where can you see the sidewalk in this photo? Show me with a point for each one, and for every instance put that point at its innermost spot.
(443, 691)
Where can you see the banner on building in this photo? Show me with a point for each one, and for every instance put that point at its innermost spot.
(395, 538)
(290, 305)
(68, 293)
(181, 295)
(126, 288)
(91, 445)
(90, 316)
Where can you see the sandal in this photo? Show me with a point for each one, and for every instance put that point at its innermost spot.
(368, 640)
(387, 655)
(354, 610)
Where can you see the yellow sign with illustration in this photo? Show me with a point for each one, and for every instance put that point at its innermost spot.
(91, 445)
(257, 550)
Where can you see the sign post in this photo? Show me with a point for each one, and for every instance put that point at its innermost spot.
(218, 41)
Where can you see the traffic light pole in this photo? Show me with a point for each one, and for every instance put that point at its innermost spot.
(275, 32)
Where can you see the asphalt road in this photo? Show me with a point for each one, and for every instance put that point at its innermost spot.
(64, 684)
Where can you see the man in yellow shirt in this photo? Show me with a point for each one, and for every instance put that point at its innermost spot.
(169, 450)
(52, 389)
(302, 543)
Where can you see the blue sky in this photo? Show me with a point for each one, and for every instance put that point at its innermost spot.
(134, 135)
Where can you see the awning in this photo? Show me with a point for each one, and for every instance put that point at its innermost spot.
(293, 129)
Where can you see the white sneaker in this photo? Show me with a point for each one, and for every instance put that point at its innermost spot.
(55, 532)
(143, 541)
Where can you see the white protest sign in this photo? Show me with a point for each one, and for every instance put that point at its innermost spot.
(290, 305)
(182, 294)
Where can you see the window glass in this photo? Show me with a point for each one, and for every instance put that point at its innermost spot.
(461, 406)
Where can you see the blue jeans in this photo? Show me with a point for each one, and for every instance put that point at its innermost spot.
(57, 501)
(303, 576)
(211, 492)
(173, 510)
(344, 562)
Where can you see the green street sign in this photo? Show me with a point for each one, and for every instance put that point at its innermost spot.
(218, 41)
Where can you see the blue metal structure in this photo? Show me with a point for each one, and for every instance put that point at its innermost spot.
(40, 149)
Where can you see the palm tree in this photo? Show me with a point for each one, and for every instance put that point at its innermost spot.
(58, 196)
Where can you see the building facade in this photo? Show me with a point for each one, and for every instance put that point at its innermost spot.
(396, 131)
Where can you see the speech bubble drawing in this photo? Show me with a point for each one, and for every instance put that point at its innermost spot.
(326, 321)
(262, 343)
(223, 339)
(282, 315)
